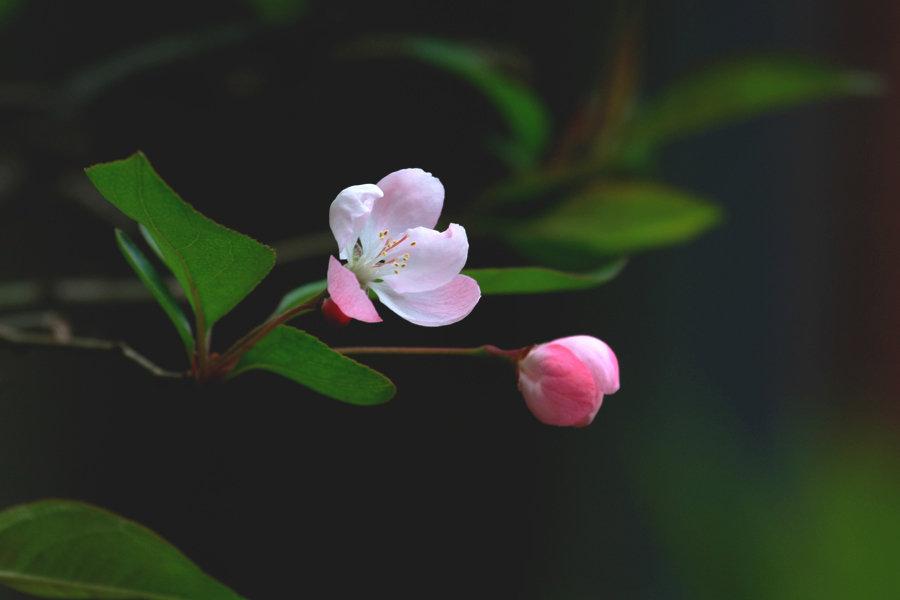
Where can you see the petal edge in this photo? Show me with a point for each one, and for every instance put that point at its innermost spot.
(445, 305)
(346, 293)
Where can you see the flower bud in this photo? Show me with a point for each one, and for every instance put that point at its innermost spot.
(564, 381)
(333, 313)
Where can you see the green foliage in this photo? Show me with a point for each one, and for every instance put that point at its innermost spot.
(737, 90)
(540, 280)
(216, 266)
(612, 219)
(297, 355)
(63, 549)
(538, 184)
(845, 522)
(813, 515)
(8, 9)
(729, 92)
(522, 109)
(151, 279)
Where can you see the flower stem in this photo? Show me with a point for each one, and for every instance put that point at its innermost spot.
(486, 350)
(224, 363)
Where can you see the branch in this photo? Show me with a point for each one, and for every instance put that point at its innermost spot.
(100, 290)
(17, 336)
(486, 350)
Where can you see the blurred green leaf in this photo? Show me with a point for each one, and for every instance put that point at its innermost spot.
(297, 355)
(729, 92)
(302, 294)
(523, 111)
(703, 496)
(279, 12)
(152, 281)
(540, 280)
(8, 9)
(738, 90)
(535, 186)
(63, 549)
(216, 266)
(612, 219)
(807, 513)
(842, 536)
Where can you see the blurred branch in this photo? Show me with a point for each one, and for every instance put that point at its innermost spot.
(85, 290)
(101, 290)
(13, 335)
(610, 100)
(47, 320)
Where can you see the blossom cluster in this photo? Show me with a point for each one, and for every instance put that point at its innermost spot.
(386, 236)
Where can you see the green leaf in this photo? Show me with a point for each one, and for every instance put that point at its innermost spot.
(297, 355)
(8, 8)
(738, 90)
(523, 111)
(612, 219)
(216, 266)
(540, 280)
(151, 279)
(302, 294)
(148, 237)
(64, 549)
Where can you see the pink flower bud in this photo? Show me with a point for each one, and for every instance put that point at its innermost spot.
(333, 313)
(564, 381)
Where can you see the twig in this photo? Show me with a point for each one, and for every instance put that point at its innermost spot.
(486, 350)
(230, 357)
(101, 290)
(18, 336)
(85, 290)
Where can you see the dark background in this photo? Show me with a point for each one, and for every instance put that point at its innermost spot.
(750, 453)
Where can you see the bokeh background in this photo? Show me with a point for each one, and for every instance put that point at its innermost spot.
(751, 453)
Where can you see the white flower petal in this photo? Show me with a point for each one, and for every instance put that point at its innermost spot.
(426, 259)
(349, 213)
(412, 198)
(447, 304)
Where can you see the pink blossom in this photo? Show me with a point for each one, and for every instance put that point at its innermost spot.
(564, 381)
(385, 233)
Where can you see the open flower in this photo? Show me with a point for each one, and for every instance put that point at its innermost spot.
(385, 234)
(564, 381)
